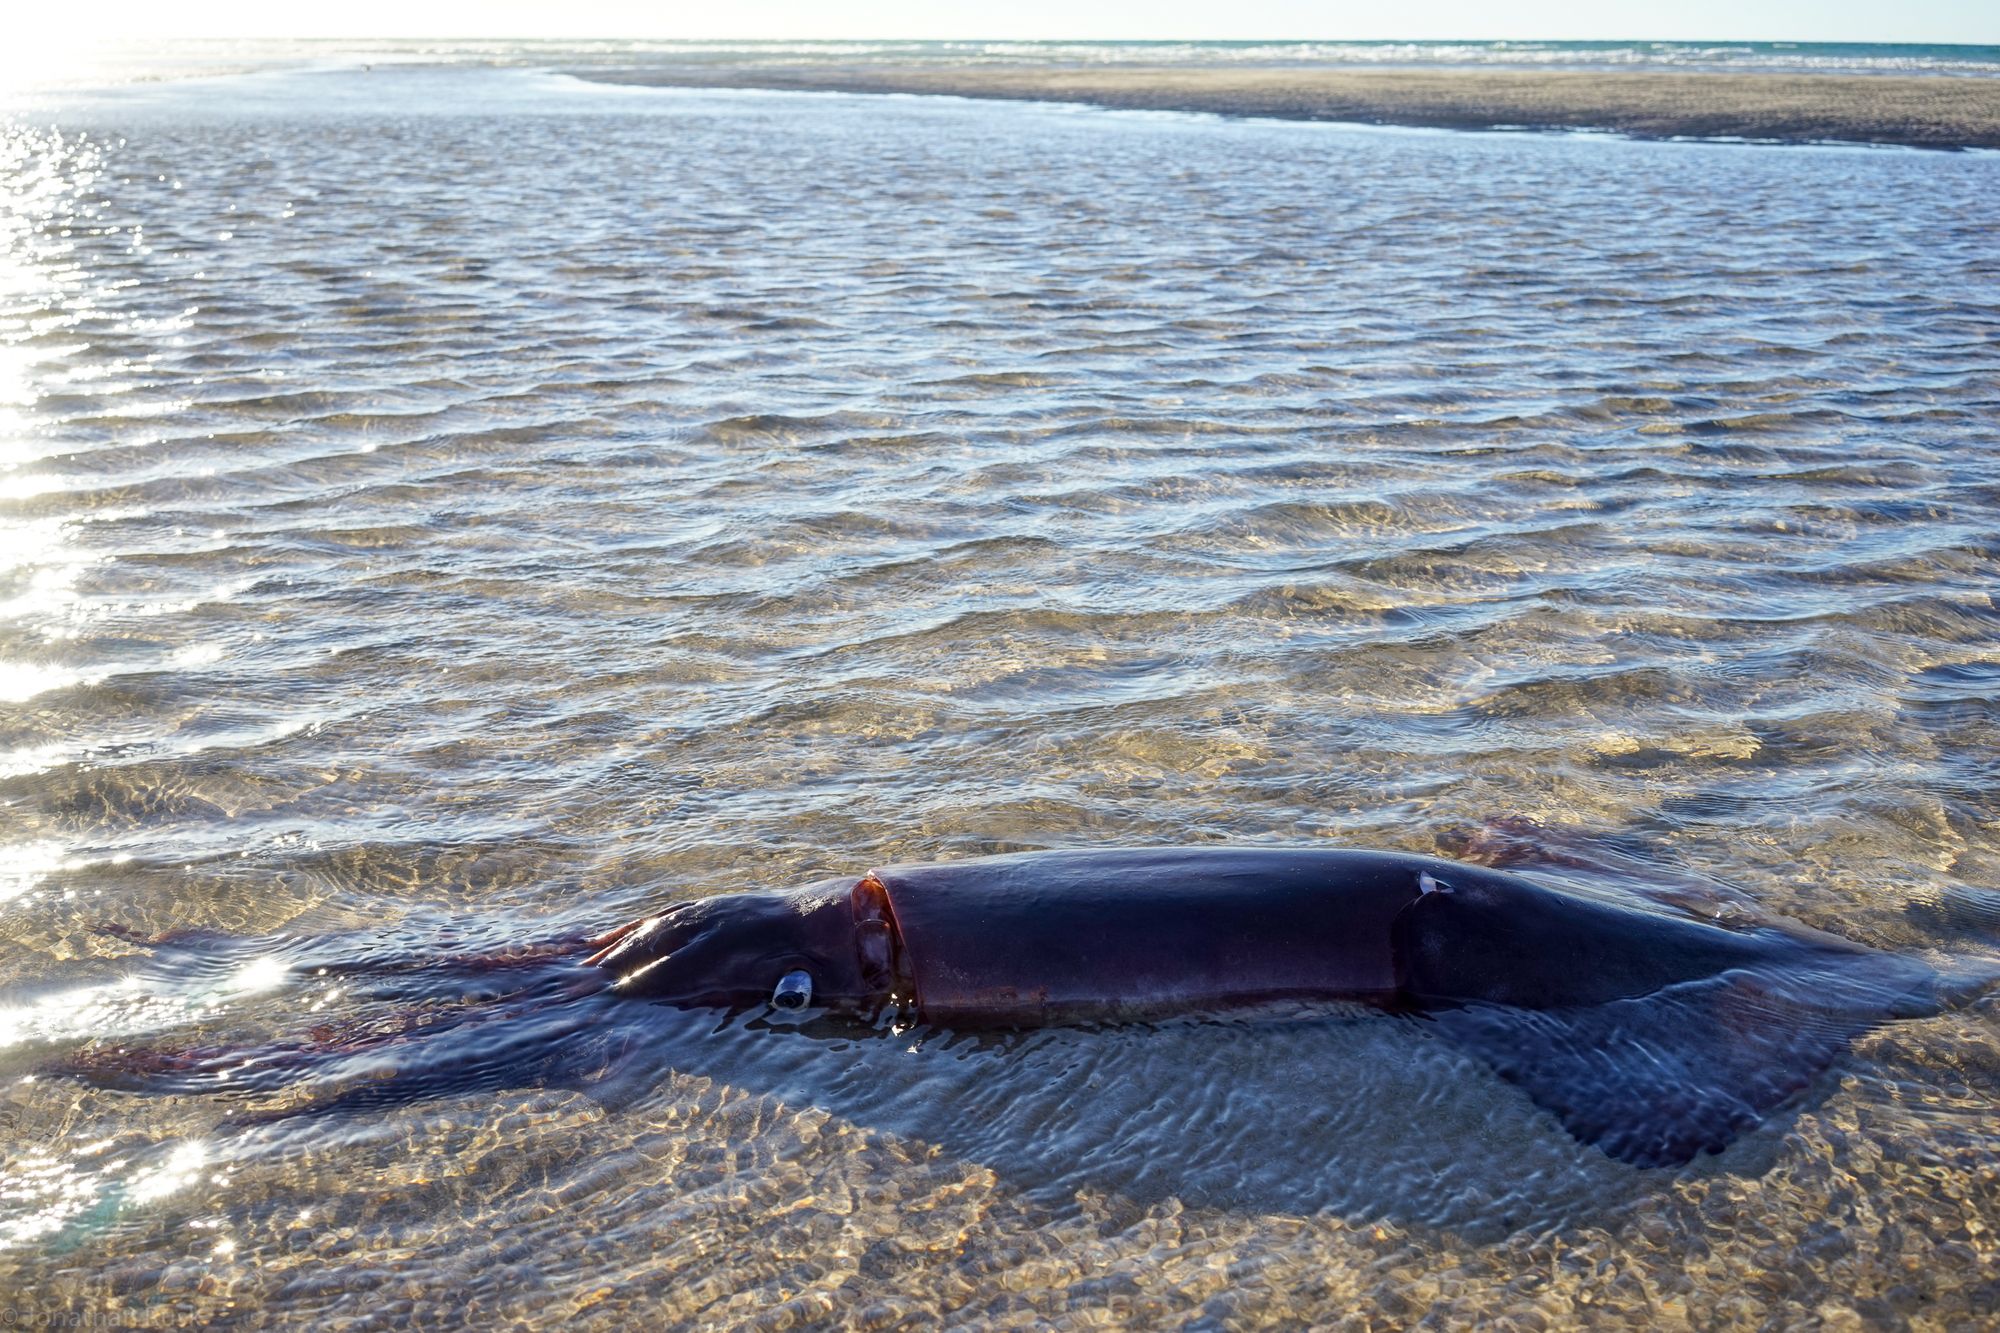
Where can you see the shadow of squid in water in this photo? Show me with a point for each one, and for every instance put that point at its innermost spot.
(1651, 1036)
(407, 1029)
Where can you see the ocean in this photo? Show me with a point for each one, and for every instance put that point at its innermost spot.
(114, 61)
(450, 506)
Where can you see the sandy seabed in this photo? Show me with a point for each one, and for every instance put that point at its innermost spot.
(458, 506)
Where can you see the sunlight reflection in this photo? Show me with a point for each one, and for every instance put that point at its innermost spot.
(126, 1008)
(25, 865)
(181, 1169)
(43, 1193)
(116, 1008)
(260, 974)
(25, 680)
(30, 759)
(50, 50)
(38, 577)
(42, 177)
(34, 575)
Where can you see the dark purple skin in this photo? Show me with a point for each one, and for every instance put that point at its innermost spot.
(1092, 936)
(1652, 1036)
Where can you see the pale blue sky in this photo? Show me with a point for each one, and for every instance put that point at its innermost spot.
(1780, 20)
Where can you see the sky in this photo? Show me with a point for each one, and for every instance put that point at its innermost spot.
(1975, 21)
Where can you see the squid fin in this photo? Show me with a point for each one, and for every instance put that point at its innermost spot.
(1658, 1079)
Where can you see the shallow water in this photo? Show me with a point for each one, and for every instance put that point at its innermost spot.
(452, 507)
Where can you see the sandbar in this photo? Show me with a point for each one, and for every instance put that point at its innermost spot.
(1928, 111)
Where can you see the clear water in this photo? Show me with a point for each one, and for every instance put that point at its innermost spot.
(449, 507)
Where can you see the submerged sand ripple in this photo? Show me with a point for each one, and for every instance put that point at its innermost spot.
(454, 506)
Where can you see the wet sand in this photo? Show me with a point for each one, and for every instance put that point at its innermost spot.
(1927, 112)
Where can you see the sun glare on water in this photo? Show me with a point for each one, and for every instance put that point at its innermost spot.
(45, 52)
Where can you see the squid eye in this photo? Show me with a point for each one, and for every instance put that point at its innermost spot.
(795, 990)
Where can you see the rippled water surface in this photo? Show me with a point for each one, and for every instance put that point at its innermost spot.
(453, 509)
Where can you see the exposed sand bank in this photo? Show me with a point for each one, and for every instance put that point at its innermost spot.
(1929, 112)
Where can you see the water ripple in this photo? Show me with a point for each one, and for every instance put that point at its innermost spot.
(448, 507)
